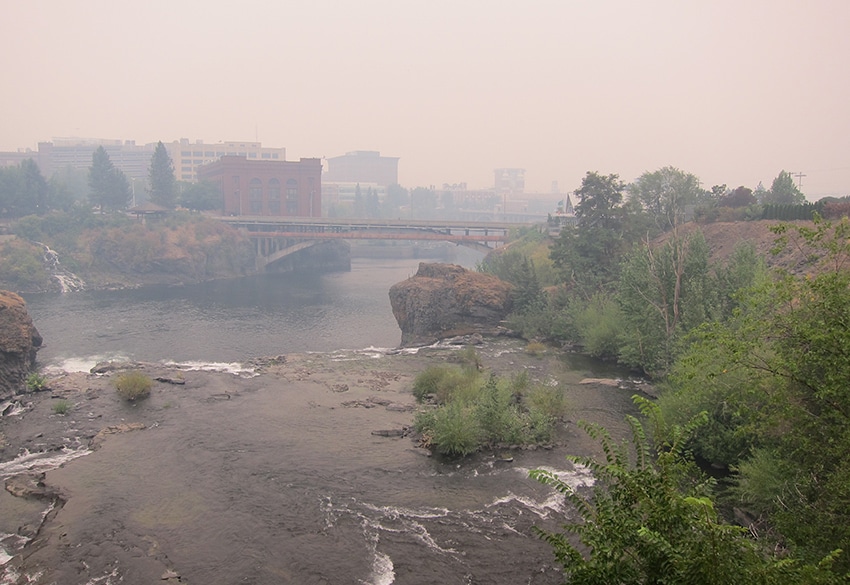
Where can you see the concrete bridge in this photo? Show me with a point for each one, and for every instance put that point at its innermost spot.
(277, 237)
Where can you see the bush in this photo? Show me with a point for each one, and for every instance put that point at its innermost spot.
(535, 348)
(455, 432)
(469, 359)
(547, 400)
(36, 382)
(444, 382)
(133, 385)
(61, 407)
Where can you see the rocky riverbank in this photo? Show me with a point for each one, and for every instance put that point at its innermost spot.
(135, 484)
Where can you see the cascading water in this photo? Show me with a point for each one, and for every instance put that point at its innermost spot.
(67, 279)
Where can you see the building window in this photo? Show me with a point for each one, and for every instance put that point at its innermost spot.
(274, 155)
(292, 197)
(274, 207)
(255, 195)
(236, 180)
(274, 190)
(185, 153)
(252, 155)
(197, 153)
(266, 155)
(186, 177)
(208, 154)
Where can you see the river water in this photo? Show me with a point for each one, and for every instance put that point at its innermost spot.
(226, 320)
(277, 478)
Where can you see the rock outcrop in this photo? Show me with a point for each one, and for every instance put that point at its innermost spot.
(19, 342)
(446, 300)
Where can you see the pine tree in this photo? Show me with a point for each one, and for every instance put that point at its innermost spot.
(161, 178)
(109, 186)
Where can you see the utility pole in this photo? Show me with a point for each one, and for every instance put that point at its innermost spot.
(799, 179)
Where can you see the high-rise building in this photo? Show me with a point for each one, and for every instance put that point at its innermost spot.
(132, 159)
(135, 160)
(509, 181)
(363, 166)
(188, 156)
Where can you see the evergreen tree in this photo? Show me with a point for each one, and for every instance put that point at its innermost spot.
(109, 187)
(161, 178)
(34, 187)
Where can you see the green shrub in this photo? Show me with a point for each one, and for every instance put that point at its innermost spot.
(36, 382)
(547, 400)
(495, 415)
(133, 385)
(519, 382)
(468, 358)
(535, 348)
(445, 382)
(61, 407)
(456, 432)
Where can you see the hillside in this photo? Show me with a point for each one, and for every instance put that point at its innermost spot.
(723, 237)
(118, 252)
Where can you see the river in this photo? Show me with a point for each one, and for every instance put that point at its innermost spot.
(225, 320)
(276, 478)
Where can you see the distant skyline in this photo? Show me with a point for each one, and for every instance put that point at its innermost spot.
(731, 91)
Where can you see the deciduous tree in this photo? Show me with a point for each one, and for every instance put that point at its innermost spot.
(588, 256)
(783, 190)
(666, 194)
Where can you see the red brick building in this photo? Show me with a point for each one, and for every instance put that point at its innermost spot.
(262, 187)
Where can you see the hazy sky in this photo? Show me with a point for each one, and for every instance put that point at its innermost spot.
(731, 90)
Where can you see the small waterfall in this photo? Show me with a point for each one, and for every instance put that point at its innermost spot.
(67, 279)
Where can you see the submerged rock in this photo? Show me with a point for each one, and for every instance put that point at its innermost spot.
(19, 343)
(445, 301)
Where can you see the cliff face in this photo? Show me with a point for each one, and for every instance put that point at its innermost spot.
(445, 300)
(19, 342)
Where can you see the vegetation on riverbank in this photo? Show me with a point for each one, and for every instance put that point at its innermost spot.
(751, 344)
(108, 250)
(133, 385)
(463, 410)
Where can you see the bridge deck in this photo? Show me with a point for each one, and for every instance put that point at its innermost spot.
(334, 228)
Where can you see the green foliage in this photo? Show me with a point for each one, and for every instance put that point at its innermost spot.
(535, 348)
(36, 382)
(468, 358)
(22, 267)
(775, 380)
(653, 520)
(161, 178)
(516, 268)
(662, 292)
(133, 385)
(454, 432)
(784, 191)
(23, 190)
(443, 382)
(109, 188)
(791, 211)
(598, 324)
(587, 256)
(665, 195)
(201, 196)
(61, 407)
(471, 414)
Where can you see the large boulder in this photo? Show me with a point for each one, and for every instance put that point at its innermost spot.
(19, 342)
(446, 300)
